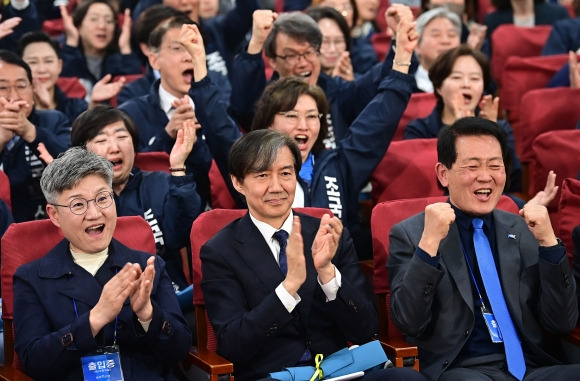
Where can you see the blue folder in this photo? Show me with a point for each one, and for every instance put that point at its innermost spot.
(340, 363)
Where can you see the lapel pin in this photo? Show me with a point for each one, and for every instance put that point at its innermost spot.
(511, 236)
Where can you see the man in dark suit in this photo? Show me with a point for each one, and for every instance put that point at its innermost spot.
(439, 297)
(265, 320)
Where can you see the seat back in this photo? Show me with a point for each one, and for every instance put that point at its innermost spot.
(558, 151)
(522, 74)
(546, 110)
(5, 189)
(27, 241)
(420, 105)
(152, 161)
(384, 216)
(128, 79)
(483, 7)
(220, 194)
(406, 171)
(203, 228)
(569, 210)
(509, 40)
(381, 43)
(72, 87)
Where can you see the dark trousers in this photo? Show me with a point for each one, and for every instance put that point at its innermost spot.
(498, 372)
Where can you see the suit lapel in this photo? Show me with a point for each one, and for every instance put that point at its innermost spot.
(255, 252)
(454, 260)
(509, 262)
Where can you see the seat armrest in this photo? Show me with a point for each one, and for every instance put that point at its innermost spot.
(209, 362)
(404, 354)
(574, 336)
(8, 373)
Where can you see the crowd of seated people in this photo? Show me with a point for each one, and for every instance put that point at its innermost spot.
(190, 78)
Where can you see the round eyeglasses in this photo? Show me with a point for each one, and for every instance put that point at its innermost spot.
(293, 117)
(80, 205)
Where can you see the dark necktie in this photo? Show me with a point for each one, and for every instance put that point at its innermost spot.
(488, 271)
(282, 237)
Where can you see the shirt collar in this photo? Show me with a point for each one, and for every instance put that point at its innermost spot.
(268, 231)
(166, 99)
(422, 80)
(463, 220)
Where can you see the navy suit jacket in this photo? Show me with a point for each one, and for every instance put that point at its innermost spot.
(44, 313)
(434, 306)
(253, 328)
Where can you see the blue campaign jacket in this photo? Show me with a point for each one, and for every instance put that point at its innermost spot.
(24, 168)
(151, 120)
(565, 36)
(338, 173)
(169, 204)
(44, 291)
(74, 64)
(429, 127)
(5, 218)
(223, 34)
(346, 98)
(30, 22)
(71, 107)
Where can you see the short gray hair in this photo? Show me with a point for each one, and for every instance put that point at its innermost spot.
(440, 12)
(296, 25)
(69, 168)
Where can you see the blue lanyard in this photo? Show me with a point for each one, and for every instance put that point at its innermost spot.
(472, 276)
(116, 318)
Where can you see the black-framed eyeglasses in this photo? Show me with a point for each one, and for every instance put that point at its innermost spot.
(80, 205)
(293, 58)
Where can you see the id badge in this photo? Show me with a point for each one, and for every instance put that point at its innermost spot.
(492, 326)
(103, 365)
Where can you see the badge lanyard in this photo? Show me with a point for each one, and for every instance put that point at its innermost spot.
(488, 316)
(104, 364)
(116, 318)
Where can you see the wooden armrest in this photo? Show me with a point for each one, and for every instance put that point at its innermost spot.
(368, 267)
(404, 354)
(209, 362)
(8, 373)
(399, 348)
(574, 336)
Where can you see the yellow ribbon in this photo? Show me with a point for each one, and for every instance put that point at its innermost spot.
(318, 373)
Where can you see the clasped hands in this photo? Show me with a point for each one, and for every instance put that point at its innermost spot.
(323, 250)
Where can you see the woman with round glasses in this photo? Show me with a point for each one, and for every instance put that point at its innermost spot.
(95, 45)
(329, 178)
(91, 298)
(169, 202)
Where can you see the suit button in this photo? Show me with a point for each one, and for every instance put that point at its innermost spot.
(67, 339)
(565, 280)
(446, 363)
(428, 289)
(466, 333)
(352, 305)
(166, 328)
